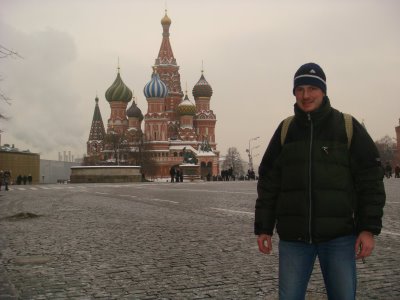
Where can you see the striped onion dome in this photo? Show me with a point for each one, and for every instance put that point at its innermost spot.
(134, 112)
(155, 88)
(202, 88)
(186, 107)
(118, 91)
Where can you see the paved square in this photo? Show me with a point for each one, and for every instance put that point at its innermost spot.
(158, 241)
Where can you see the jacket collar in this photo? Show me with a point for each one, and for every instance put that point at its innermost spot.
(315, 115)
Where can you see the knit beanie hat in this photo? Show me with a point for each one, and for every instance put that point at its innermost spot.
(310, 74)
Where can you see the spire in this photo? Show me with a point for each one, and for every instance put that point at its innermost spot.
(97, 130)
(97, 114)
(165, 55)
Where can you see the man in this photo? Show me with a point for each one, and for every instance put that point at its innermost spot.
(388, 170)
(1, 178)
(397, 171)
(172, 173)
(325, 196)
(7, 178)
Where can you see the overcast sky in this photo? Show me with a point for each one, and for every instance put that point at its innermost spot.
(250, 50)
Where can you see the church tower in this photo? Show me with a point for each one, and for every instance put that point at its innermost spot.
(186, 110)
(168, 71)
(95, 144)
(135, 117)
(205, 119)
(156, 118)
(118, 95)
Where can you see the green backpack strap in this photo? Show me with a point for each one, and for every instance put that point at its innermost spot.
(348, 124)
(285, 127)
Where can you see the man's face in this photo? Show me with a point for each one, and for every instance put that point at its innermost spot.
(308, 97)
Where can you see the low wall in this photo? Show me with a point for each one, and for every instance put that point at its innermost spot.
(105, 174)
(191, 172)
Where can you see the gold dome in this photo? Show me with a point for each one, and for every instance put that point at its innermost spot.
(166, 20)
(186, 107)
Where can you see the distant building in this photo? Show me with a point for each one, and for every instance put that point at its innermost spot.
(173, 124)
(18, 162)
(53, 171)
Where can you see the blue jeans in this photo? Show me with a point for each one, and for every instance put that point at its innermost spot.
(338, 266)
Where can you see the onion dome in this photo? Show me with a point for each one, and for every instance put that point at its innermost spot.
(155, 88)
(186, 107)
(202, 88)
(118, 91)
(134, 112)
(166, 20)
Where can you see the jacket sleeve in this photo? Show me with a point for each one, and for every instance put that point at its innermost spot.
(368, 181)
(268, 187)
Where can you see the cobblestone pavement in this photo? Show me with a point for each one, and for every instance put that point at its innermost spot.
(157, 241)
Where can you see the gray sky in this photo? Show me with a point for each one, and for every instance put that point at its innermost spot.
(250, 50)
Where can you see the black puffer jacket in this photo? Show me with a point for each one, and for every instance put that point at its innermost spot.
(314, 188)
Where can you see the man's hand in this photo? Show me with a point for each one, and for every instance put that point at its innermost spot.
(264, 243)
(365, 243)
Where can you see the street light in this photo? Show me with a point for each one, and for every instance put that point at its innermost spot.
(249, 151)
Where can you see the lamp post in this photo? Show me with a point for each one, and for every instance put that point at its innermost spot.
(248, 150)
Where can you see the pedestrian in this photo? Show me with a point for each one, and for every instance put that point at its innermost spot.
(180, 175)
(7, 179)
(30, 179)
(388, 170)
(321, 185)
(1, 178)
(209, 176)
(19, 179)
(397, 171)
(177, 174)
(172, 173)
(24, 179)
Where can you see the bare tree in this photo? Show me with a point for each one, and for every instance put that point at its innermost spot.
(116, 142)
(145, 159)
(92, 160)
(386, 147)
(234, 161)
(6, 53)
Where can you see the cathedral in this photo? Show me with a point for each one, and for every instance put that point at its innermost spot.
(174, 127)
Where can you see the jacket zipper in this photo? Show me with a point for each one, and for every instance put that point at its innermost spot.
(309, 176)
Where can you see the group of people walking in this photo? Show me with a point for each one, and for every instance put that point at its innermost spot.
(389, 171)
(24, 179)
(6, 179)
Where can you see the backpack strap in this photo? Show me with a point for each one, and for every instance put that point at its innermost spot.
(348, 124)
(285, 127)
